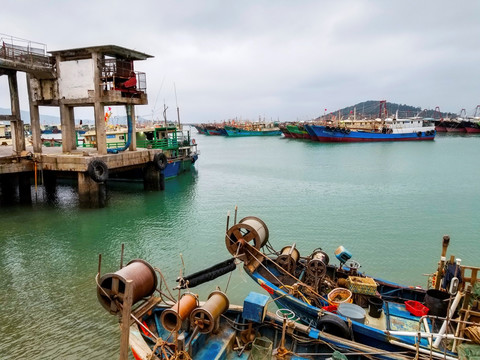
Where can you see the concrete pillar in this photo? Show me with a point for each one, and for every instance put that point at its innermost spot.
(68, 128)
(18, 134)
(153, 179)
(133, 143)
(90, 193)
(24, 188)
(8, 192)
(100, 132)
(99, 108)
(34, 120)
(50, 185)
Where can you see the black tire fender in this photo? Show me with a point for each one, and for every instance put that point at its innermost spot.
(160, 161)
(98, 170)
(334, 325)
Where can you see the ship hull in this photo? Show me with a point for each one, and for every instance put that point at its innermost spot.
(319, 133)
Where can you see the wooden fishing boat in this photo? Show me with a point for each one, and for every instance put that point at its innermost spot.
(253, 129)
(298, 131)
(157, 326)
(341, 300)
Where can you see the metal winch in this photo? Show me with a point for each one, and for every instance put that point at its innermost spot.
(111, 286)
(250, 230)
(288, 258)
(206, 317)
(173, 318)
(317, 263)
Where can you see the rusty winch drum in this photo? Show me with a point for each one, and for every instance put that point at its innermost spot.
(205, 317)
(317, 263)
(251, 230)
(288, 258)
(173, 318)
(112, 285)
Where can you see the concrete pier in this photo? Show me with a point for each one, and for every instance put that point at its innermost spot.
(94, 76)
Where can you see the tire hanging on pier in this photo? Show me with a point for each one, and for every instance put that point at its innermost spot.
(98, 170)
(160, 161)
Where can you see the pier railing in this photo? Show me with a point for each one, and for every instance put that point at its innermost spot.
(24, 51)
(164, 144)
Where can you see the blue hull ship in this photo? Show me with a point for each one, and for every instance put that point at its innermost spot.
(388, 129)
(339, 299)
(336, 134)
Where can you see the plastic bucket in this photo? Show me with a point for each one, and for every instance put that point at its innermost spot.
(375, 306)
(261, 349)
(339, 296)
(352, 311)
(437, 302)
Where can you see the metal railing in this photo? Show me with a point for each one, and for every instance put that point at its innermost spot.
(25, 51)
(164, 144)
(116, 71)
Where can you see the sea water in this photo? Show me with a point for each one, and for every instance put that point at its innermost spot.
(389, 204)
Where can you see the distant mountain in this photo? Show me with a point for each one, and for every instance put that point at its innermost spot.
(25, 116)
(371, 108)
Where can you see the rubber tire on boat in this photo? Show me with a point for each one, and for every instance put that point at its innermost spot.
(347, 131)
(419, 133)
(337, 129)
(98, 170)
(327, 128)
(193, 160)
(332, 324)
(160, 161)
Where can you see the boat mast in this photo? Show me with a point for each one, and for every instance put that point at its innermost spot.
(165, 107)
(176, 102)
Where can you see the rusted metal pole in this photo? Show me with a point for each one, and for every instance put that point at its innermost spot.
(125, 321)
(228, 220)
(99, 263)
(441, 264)
(121, 256)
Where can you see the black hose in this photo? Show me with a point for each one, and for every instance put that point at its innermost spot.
(206, 275)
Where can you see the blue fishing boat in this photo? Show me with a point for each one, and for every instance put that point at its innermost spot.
(157, 326)
(389, 129)
(179, 149)
(341, 300)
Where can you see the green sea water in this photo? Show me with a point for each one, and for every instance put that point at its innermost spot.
(389, 204)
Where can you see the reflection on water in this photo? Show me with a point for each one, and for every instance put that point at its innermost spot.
(389, 204)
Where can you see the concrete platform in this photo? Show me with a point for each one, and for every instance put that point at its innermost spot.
(53, 159)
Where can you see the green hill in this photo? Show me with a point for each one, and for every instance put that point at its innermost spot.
(371, 109)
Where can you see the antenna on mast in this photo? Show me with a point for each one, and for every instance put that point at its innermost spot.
(176, 102)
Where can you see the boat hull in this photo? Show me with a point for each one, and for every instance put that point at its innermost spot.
(176, 167)
(321, 134)
(216, 132)
(241, 132)
(440, 129)
(362, 333)
(456, 129)
(472, 130)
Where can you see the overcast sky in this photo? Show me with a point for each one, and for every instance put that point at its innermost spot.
(283, 60)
